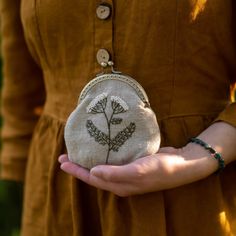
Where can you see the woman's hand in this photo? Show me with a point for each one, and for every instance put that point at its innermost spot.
(164, 170)
(167, 169)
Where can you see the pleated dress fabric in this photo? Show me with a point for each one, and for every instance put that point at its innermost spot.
(182, 52)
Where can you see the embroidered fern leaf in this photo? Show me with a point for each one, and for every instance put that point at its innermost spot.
(97, 134)
(122, 137)
(116, 121)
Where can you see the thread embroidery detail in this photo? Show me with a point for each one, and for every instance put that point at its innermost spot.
(118, 105)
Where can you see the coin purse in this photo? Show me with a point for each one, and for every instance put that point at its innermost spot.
(113, 123)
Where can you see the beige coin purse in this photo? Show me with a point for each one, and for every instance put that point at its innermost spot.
(112, 124)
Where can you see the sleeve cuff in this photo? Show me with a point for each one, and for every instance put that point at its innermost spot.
(228, 115)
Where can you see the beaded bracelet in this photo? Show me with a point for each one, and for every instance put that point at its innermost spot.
(215, 154)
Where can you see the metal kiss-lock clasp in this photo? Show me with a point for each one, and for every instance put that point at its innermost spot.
(110, 65)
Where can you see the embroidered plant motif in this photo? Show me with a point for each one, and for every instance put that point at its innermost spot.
(98, 105)
(118, 105)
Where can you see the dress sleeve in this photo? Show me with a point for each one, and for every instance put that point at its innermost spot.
(229, 113)
(23, 93)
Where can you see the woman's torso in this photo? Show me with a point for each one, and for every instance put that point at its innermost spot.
(182, 52)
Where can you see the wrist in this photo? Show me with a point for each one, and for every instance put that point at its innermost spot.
(204, 163)
(216, 155)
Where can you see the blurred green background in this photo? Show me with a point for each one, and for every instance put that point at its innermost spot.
(10, 208)
(10, 203)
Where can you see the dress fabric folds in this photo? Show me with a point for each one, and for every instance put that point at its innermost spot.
(184, 55)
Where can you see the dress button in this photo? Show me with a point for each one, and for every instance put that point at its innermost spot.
(103, 11)
(103, 56)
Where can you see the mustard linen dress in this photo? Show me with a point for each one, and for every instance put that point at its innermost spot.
(184, 55)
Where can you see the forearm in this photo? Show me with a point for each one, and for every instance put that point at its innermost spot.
(222, 137)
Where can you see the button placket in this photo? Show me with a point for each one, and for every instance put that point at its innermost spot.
(103, 33)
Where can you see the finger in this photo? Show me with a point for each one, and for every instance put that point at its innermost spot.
(85, 176)
(63, 158)
(114, 187)
(76, 170)
(110, 173)
(118, 188)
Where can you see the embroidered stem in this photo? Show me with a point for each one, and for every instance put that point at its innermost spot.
(118, 105)
(109, 134)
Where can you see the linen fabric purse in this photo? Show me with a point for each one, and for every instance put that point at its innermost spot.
(112, 124)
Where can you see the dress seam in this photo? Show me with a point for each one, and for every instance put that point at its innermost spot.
(46, 114)
(189, 115)
(174, 56)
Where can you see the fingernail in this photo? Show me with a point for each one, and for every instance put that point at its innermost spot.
(95, 171)
(62, 166)
(60, 158)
